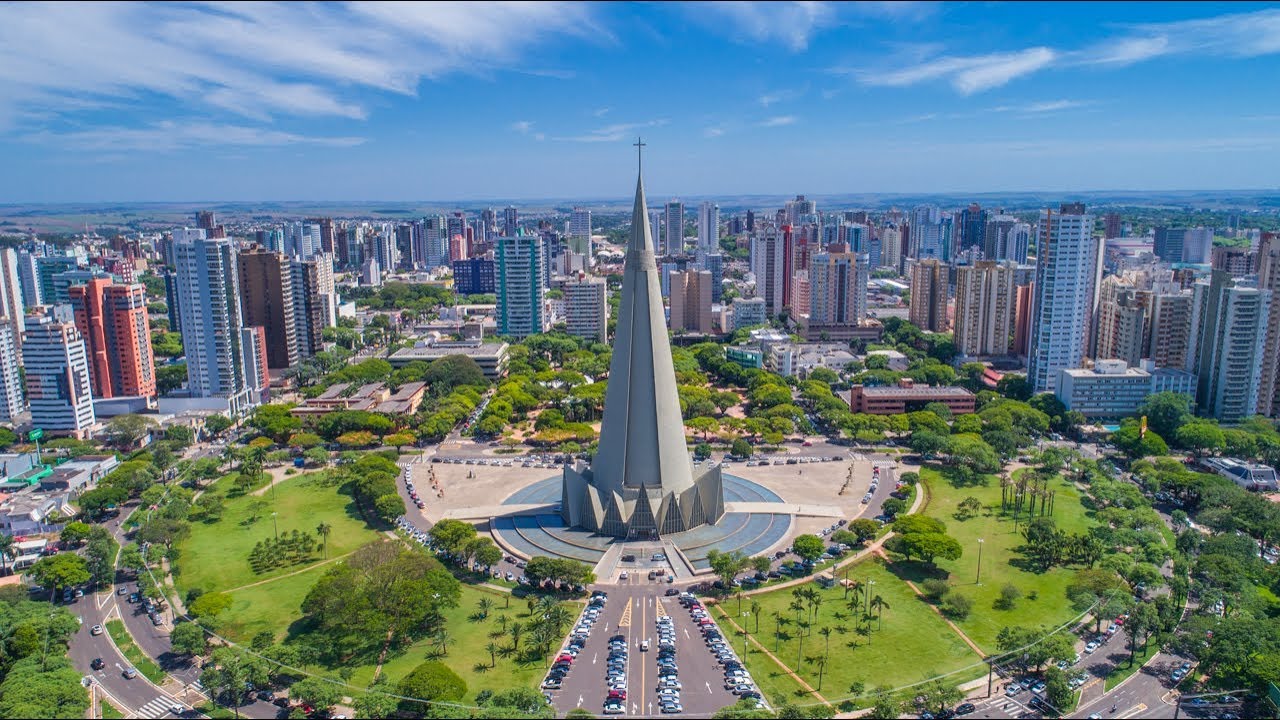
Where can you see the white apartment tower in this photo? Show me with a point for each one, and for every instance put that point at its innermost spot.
(208, 294)
(768, 264)
(580, 231)
(708, 228)
(985, 298)
(11, 401)
(58, 377)
(674, 239)
(521, 294)
(1232, 318)
(837, 289)
(1068, 272)
(11, 306)
(586, 308)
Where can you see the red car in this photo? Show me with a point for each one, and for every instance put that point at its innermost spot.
(565, 659)
(617, 694)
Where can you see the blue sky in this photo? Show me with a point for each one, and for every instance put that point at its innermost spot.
(176, 102)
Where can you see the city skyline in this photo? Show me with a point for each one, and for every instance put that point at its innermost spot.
(136, 103)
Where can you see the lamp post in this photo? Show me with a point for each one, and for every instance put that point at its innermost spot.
(275, 525)
(979, 580)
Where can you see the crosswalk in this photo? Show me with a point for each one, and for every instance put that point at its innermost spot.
(157, 708)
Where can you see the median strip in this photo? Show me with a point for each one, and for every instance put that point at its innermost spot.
(124, 643)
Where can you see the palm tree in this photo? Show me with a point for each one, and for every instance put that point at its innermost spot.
(825, 632)
(777, 630)
(323, 530)
(558, 617)
(484, 606)
(516, 630)
(755, 610)
(493, 654)
(502, 622)
(440, 639)
(817, 604)
(879, 605)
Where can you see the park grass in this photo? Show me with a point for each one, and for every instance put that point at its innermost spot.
(215, 556)
(912, 644)
(108, 711)
(466, 649)
(1001, 562)
(143, 664)
(271, 606)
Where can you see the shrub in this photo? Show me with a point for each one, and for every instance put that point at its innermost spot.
(956, 606)
(1009, 596)
(935, 590)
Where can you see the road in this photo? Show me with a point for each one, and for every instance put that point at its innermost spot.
(139, 696)
(632, 611)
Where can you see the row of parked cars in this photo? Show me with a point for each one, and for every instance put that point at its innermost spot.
(578, 640)
(793, 460)
(538, 461)
(413, 493)
(736, 678)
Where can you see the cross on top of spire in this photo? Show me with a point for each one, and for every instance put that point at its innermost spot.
(639, 146)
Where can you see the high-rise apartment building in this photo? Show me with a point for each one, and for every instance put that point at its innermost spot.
(714, 264)
(1122, 331)
(1111, 226)
(580, 231)
(891, 247)
(1022, 308)
(1232, 318)
(691, 301)
(1170, 331)
(11, 401)
(1183, 245)
(985, 304)
(521, 292)
(311, 304)
(113, 322)
(208, 294)
(1006, 238)
(510, 221)
(29, 278)
(837, 290)
(302, 240)
(673, 241)
(769, 265)
(708, 227)
(929, 295)
(266, 283)
(474, 276)
(748, 312)
(1068, 271)
(972, 228)
(1236, 261)
(1268, 268)
(57, 374)
(11, 306)
(586, 308)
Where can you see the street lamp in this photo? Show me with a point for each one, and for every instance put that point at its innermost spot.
(275, 525)
(979, 580)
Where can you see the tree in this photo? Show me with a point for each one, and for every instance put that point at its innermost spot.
(1014, 387)
(210, 605)
(808, 547)
(230, 673)
(374, 704)
(74, 533)
(431, 681)
(726, 566)
(1166, 412)
(940, 696)
(319, 694)
(398, 440)
(740, 448)
(187, 639)
(452, 535)
(1200, 437)
(1058, 689)
(56, 572)
(886, 707)
(1009, 596)
(323, 530)
(968, 508)
(125, 431)
(956, 606)
(217, 424)
(43, 687)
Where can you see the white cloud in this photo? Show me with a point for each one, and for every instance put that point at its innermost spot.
(966, 74)
(601, 112)
(1240, 35)
(167, 136)
(779, 121)
(263, 60)
(713, 132)
(522, 126)
(1042, 107)
(611, 133)
(789, 23)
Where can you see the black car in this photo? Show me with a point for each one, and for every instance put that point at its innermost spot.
(672, 592)
(97, 664)
(282, 702)
(965, 708)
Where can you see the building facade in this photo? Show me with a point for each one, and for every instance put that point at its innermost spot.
(1068, 271)
(586, 308)
(1232, 319)
(57, 377)
(985, 299)
(691, 301)
(929, 292)
(521, 293)
(12, 404)
(113, 322)
(267, 301)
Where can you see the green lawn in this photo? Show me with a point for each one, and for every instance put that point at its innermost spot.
(1124, 669)
(132, 653)
(911, 644)
(108, 711)
(215, 555)
(1001, 563)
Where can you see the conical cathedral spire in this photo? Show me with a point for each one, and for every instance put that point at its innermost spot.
(641, 480)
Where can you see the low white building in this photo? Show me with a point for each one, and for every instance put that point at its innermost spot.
(1112, 389)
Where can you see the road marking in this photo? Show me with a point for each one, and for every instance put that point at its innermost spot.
(662, 610)
(157, 708)
(625, 621)
(594, 658)
(1140, 707)
(579, 701)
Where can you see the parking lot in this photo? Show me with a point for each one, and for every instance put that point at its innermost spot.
(642, 654)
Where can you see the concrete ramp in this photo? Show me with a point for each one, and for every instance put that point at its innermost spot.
(680, 565)
(608, 564)
(799, 510)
